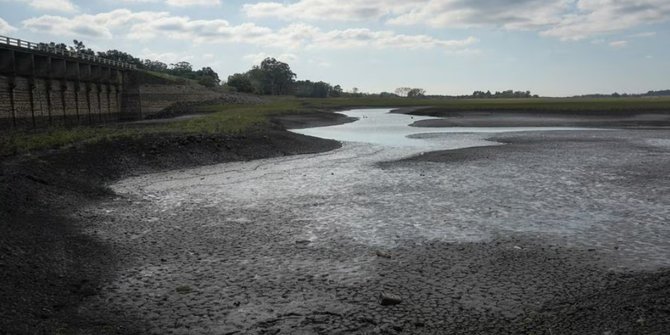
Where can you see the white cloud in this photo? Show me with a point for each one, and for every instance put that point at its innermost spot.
(188, 3)
(595, 17)
(52, 5)
(150, 25)
(96, 26)
(643, 34)
(257, 58)
(166, 57)
(563, 19)
(5, 27)
(328, 10)
(363, 37)
(618, 44)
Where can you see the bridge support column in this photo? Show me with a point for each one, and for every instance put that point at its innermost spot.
(108, 87)
(11, 84)
(31, 97)
(47, 87)
(97, 93)
(76, 100)
(88, 102)
(63, 89)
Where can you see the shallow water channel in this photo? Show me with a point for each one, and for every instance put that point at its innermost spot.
(344, 194)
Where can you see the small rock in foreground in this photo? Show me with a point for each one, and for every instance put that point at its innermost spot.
(388, 299)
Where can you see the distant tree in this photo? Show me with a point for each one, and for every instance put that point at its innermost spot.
(121, 56)
(276, 76)
(80, 48)
(416, 92)
(336, 91)
(309, 89)
(181, 68)
(402, 91)
(157, 66)
(354, 90)
(208, 77)
(241, 83)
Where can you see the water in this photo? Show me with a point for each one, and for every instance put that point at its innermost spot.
(378, 126)
(344, 195)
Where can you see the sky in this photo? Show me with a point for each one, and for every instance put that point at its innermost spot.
(550, 47)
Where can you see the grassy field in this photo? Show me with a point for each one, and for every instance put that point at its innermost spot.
(604, 105)
(221, 119)
(233, 119)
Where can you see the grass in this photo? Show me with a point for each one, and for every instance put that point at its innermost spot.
(235, 119)
(535, 104)
(222, 119)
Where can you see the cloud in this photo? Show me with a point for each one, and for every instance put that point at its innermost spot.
(643, 34)
(94, 26)
(595, 17)
(618, 44)
(257, 58)
(52, 5)
(188, 3)
(151, 25)
(166, 57)
(328, 10)
(5, 27)
(562, 19)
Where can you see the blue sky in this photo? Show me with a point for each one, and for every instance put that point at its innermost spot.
(553, 48)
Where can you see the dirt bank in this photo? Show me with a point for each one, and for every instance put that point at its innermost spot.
(532, 118)
(47, 266)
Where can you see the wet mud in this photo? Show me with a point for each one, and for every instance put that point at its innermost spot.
(562, 232)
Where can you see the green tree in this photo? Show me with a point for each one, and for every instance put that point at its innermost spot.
(416, 92)
(241, 83)
(277, 77)
(208, 77)
(336, 91)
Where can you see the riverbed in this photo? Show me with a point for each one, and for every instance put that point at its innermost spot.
(497, 223)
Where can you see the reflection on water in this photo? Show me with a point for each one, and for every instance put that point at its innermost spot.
(343, 195)
(378, 126)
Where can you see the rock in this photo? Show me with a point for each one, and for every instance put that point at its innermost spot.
(388, 299)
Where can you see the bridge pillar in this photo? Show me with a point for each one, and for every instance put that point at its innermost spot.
(88, 102)
(63, 89)
(11, 84)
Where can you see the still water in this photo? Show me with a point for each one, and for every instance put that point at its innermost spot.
(378, 126)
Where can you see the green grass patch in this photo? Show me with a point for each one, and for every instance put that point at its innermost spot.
(235, 119)
(603, 105)
(222, 119)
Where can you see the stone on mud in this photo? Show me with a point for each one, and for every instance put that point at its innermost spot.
(389, 299)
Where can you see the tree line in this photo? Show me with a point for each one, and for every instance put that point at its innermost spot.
(205, 76)
(504, 94)
(273, 77)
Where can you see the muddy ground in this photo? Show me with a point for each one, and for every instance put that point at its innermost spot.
(76, 258)
(530, 118)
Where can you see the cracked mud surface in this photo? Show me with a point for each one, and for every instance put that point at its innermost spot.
(557, 232)
(534, 232)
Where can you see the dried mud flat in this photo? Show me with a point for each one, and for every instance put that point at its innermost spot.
(551, 233)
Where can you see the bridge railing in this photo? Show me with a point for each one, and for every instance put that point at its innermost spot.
(44, 47)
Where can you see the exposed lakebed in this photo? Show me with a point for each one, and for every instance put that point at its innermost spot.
(510, 220)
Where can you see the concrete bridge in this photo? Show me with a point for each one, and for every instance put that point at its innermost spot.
(42, 86)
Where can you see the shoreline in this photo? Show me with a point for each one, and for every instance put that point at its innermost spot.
(56, 267)
(531, 118)
(50, 263)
